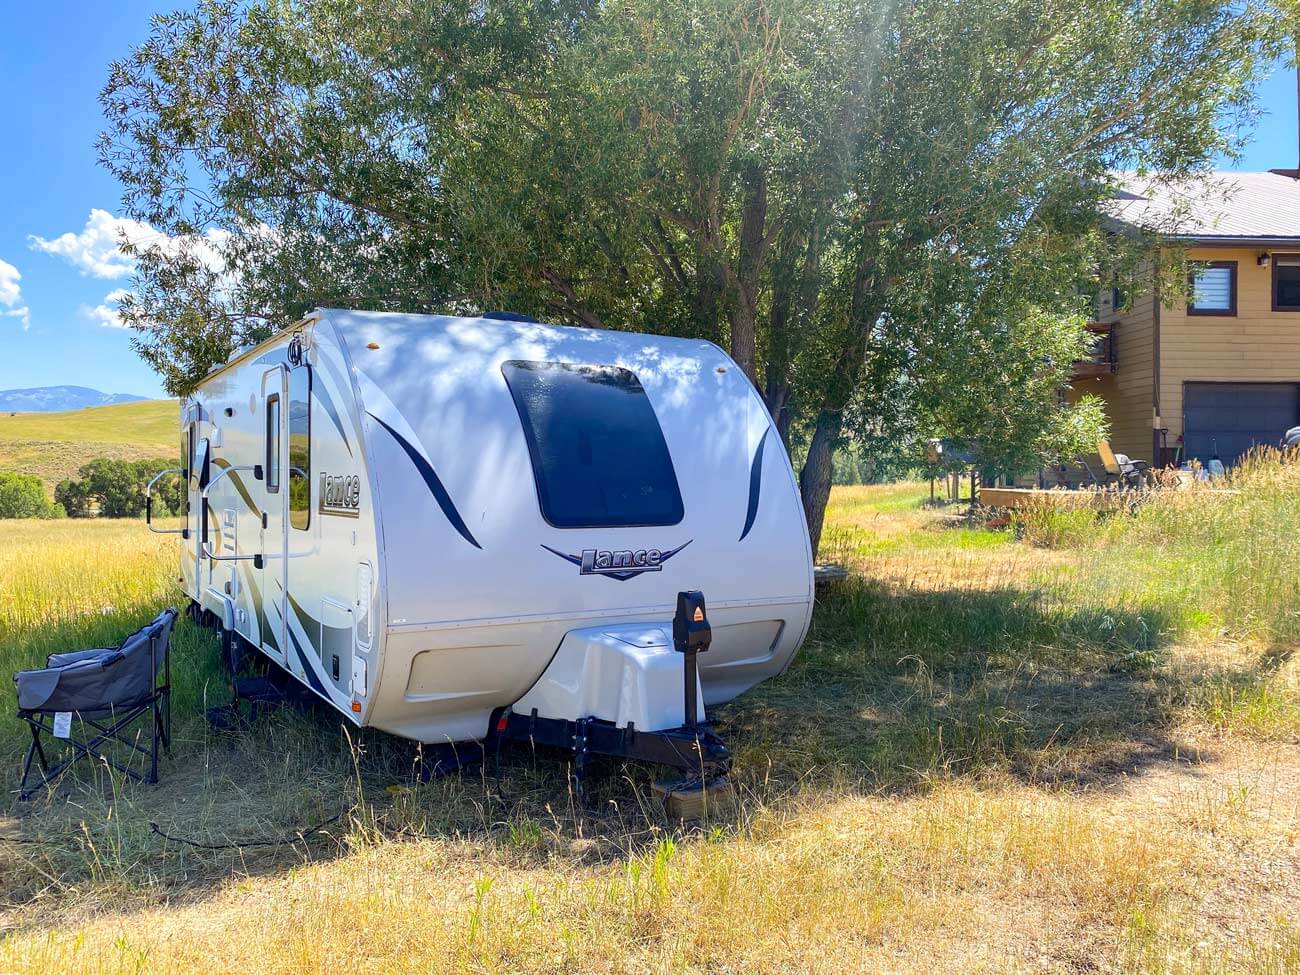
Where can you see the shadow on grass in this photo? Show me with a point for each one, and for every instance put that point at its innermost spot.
(894, 686)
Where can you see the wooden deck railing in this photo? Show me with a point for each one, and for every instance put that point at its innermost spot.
(1101, 359)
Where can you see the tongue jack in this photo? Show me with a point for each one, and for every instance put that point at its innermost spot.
(691, 635)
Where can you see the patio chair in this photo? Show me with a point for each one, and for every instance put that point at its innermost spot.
(1116, 468)
(1119, 468)
(93, 699)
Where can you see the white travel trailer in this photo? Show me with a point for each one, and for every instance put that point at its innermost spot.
(455, 528)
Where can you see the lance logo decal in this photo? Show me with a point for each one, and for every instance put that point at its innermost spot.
(620, 564)
(340, 494)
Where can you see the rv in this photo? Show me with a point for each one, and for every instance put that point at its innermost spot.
(454, 528)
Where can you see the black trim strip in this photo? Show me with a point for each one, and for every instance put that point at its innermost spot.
(435, 486)
(755, 485)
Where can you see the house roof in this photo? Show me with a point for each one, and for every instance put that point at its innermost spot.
(1221, 207)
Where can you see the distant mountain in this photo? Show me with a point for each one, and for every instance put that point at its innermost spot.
(56, 399)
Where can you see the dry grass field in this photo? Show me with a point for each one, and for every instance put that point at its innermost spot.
(1067, 748)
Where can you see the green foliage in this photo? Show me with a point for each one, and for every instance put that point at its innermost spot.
(854, 465)
(116, 489)
(23, 496)
(889, 211)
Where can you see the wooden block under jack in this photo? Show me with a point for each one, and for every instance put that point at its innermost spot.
(692, 800)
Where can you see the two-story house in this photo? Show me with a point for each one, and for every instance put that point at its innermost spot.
(1216, 368)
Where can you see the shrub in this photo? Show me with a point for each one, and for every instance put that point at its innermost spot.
(23, 496)
(117, 489)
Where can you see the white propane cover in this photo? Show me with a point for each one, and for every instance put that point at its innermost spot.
(625, 675)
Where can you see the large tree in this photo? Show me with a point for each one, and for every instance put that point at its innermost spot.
(869, 204)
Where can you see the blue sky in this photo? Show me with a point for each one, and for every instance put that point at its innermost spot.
(55, 56)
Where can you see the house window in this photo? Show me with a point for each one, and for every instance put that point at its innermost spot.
(1213, 288)
(300, 447)
(1286, 282)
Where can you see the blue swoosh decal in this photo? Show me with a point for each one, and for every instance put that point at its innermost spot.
(755, 485)
(308, 672)
(435, 486)
(333, 414)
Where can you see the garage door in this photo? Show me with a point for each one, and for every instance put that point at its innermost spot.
(1230, 418)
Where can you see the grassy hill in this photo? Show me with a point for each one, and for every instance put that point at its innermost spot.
(54, 445)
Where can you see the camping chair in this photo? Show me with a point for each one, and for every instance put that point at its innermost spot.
(107, 690)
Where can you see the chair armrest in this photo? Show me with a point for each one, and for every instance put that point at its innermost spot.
(56, 660)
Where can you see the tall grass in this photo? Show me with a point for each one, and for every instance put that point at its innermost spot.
(944, 780)
(79, 583)
(1214, 557)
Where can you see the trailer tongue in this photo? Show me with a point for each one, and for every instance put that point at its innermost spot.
(613, 691)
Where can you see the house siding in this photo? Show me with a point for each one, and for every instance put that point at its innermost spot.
(1127, 391)
(1256, 345)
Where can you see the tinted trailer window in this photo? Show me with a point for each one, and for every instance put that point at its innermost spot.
(598, 454)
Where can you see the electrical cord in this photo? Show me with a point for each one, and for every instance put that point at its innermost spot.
(302, 835)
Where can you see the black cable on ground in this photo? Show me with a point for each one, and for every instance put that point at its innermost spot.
(299, 836)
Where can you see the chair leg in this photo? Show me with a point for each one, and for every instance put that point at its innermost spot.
(32, 752)
(167, 718)
(153, 750)
(36, 746)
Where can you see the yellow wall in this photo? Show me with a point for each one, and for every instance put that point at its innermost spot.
(1127, 391)
(1257, 344)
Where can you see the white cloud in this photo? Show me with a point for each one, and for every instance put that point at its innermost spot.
(96, 249)
(10, 292)
(105, 313)
(11, 295)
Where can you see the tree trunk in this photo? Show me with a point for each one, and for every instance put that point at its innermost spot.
(753, 251)
(864, 311)
(815, 478)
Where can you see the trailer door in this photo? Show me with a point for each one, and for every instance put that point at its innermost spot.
(272, 604)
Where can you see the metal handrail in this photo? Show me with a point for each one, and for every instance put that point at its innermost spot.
(203, 535)
(148, 506)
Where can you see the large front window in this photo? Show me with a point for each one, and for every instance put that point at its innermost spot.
(598, 453)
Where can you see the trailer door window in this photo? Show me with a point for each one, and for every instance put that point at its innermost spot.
(300, 447)
(598, 453)
(273, 443)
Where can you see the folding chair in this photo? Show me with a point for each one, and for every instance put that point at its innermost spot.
(107, 691)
